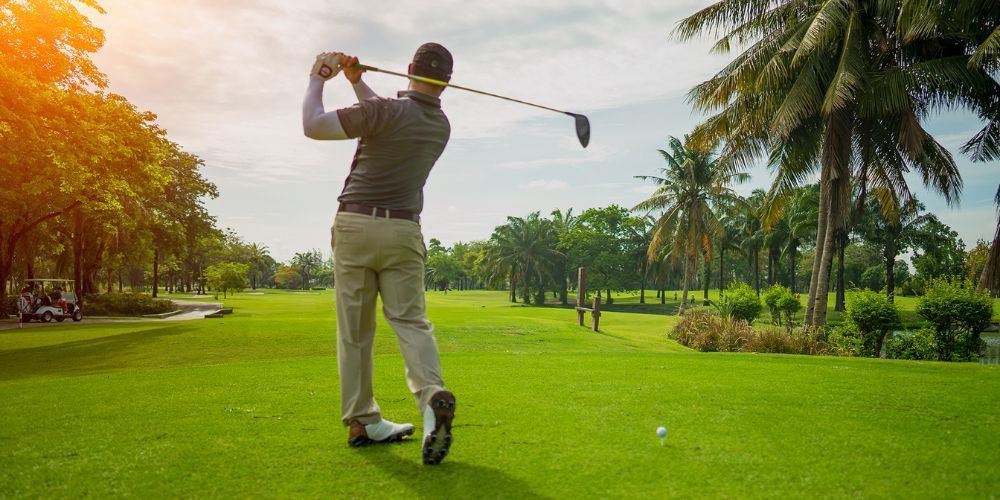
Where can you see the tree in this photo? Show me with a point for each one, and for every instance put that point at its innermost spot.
(260, 262)
(894, 235)
(307, 263)
(287, 278)
(228, 277)
(839, 85)
(940, 252)
(692, 183)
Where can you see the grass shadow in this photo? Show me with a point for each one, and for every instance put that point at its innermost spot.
(450, 479)
(79, 357)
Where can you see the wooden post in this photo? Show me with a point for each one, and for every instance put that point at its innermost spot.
(581, 292)
(596, 313)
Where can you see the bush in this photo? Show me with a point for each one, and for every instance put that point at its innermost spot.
(741, 302)
(782, 304)
(873, 316)
(844, 340)
(705, 332)
(958, 314)
(918, 345)
(125, 304)
(9, 307)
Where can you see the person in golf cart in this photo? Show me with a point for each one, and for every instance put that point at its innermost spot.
(377, 240)
(56, 300)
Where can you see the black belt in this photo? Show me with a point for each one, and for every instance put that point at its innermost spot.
(355, 208)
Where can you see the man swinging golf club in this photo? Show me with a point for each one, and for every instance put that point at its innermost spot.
(377, 242)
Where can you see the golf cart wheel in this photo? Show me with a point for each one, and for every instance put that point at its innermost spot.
(47, 316)
(77, 315)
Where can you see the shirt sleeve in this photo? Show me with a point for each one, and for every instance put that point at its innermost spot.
(366, 118)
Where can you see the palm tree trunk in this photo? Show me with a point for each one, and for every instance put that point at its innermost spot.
(990, 278)
(707, 274)
(821, 223)
(890, 282)
(722, 261)
(841, 246)
(794, 265)
(684, 286)
(756, 270)
(513, 285)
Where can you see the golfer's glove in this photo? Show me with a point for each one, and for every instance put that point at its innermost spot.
(327, 65)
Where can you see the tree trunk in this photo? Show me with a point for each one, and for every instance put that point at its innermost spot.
(687, 281)
(756, 270)
(707, 275)
(513, 285)
(78, 255)
(156, 271)
(642, 281)
(111, 283)
(821, 221)
(890, 282)
(663, 296)
(608, 300)
(722, 262)
(842, 245)
(823, 280)
(990, 278)
(793, 267)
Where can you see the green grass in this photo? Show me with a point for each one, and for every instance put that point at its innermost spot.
(248, 406)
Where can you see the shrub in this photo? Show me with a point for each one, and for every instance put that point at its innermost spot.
(873, 315)
(958, 314)
(844, 340)
(705, 332)
(781, 303)
(125, 304)
(919, 345)
(741, 301)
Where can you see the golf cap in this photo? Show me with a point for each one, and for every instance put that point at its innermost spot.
(433, 61)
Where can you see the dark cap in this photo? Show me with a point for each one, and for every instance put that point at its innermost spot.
(433, 61)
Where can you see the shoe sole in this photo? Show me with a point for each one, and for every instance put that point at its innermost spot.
(436, 448)
(438, 442)
(361, 441)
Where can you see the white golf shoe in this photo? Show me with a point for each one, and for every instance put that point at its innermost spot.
(382, 431)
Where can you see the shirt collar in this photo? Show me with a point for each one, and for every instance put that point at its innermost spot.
(420, 97)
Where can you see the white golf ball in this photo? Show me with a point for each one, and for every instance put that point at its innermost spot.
(661, 431)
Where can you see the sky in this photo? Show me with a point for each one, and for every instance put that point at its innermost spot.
(227, 77)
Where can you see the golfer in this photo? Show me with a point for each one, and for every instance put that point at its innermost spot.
(377, 243)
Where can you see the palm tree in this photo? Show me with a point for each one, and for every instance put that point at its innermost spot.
(689, 187)
(838, 85)
(799, 215)
(527, 246)
(563, 223)
(258, 255)
(751, 232)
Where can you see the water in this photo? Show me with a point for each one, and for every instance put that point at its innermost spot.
(991, 355)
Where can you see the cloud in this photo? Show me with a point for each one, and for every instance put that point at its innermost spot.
(546, 185)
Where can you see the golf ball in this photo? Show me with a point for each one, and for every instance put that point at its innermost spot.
(661, 431)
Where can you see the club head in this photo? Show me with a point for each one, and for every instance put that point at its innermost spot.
(582, 128)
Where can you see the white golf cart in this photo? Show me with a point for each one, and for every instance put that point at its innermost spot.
(50, 299)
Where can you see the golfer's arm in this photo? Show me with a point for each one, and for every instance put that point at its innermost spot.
(316, 122)
(363, 91)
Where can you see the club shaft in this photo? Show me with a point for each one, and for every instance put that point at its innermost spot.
(459, 87)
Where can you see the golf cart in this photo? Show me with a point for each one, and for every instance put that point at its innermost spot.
(49, 299)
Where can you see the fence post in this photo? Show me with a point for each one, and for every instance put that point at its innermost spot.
(596, 313)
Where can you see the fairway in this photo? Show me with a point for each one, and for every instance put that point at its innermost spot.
(247, 406)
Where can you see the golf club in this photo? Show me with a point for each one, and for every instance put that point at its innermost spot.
(582, 123)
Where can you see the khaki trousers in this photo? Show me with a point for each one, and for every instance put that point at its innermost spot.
(380, 256)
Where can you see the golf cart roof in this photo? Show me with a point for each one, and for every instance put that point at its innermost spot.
(48, 280)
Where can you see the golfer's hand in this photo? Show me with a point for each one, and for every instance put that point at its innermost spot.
(352, 73)
(327, 65)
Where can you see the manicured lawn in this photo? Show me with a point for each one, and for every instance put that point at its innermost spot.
(248, 406)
